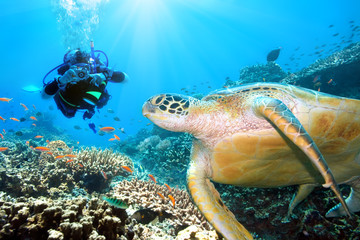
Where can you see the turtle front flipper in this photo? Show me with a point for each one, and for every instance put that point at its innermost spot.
(280, 116)
(209, 203)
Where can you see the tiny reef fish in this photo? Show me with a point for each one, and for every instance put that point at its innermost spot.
(38, 136)
(116, 137)
(112, 139)
(316, 78)
(34, 107)
(70, 155)
(34, 124)
(4, 131)
(152, 178)
(162, 196)
(127, 169)
(3, 149)
(33, 118)
(107, 129)
(4, 99)
(2, 137)
(1, 118)
(15, 119)
(42, 149)
(24, 106)
(168, 187)
(60, 156)
(172, 200)
(69, 161)
(116, 202)
(104, 174)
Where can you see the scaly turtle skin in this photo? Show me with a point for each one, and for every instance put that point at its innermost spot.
(265, 135)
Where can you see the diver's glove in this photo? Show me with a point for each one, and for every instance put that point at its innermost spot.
(68, 77)
(97, 79)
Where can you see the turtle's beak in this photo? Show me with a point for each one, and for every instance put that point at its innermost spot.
(152, 112)
(147, 109)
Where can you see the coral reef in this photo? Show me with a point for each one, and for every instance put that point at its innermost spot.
(270, 72)
(167, 157)
(60, 171)
(64, 219)
(264, 213)
(337, 74)
(342, 67)
(146, 194)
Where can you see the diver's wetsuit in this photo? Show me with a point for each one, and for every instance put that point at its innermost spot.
(80, 95)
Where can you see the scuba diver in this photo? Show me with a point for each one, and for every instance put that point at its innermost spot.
(81, 84)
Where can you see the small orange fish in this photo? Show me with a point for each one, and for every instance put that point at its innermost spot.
(24, 106)
(80, 165)
(168, 187)
(33, 118)
(34, 124)
(116, 137)
(162, 196)
(42, 149)
(316, 78)
(4, 99)
(77, 142)
(1, 118)
(112, 139)
(38, 136)
(172, 200)
(69, 161)
(104, 175)
(4, 131)
(107, 129)
(70, 155)
(27, 142)
(3, 149)
(47, 141)
(319, 89)
(50, 153)
(152, 178)
(127, 169)
(2, 137)
(59, 157)
(34, 107)
(330, 81)
(15, 119)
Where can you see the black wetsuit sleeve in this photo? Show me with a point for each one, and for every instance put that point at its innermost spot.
(52, 87)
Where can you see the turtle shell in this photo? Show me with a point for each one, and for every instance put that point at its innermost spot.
(264, 157)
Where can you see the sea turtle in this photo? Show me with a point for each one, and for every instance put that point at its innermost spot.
(265, 135)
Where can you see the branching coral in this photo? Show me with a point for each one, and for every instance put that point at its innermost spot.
(90, 167)
(61, 170)
(145, 194)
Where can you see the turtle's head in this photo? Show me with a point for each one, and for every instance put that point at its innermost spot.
(169, 111)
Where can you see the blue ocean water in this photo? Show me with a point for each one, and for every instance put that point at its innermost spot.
(163, 45)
